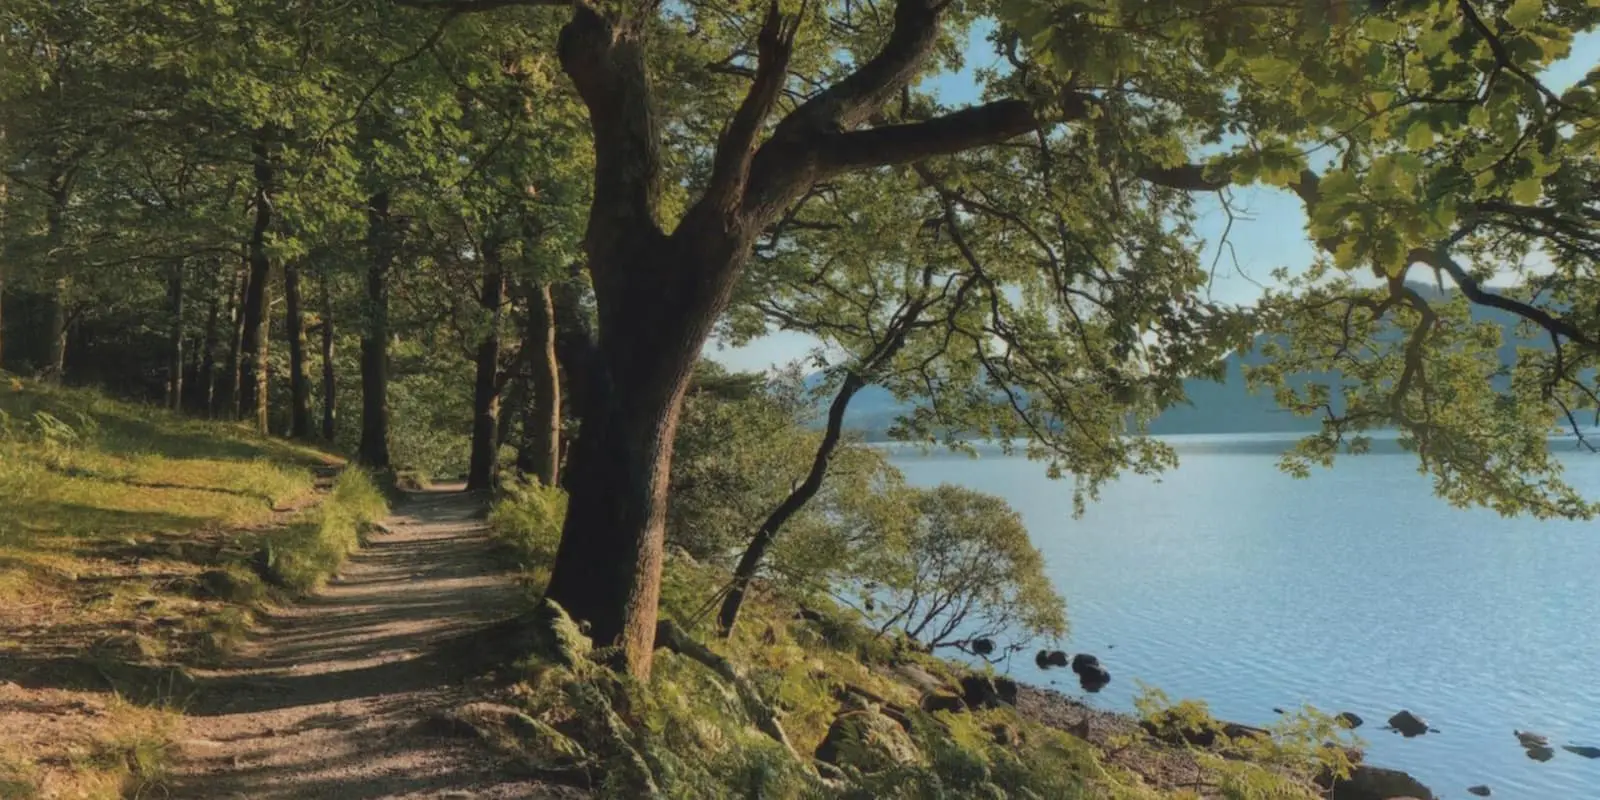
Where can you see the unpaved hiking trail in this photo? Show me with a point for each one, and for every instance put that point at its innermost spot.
(325, 702)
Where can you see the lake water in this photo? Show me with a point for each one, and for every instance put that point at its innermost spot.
(1353, 590)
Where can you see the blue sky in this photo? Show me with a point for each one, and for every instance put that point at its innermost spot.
(1268, 232)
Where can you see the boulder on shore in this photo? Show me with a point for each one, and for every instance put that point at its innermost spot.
(1376, 783)
(869, 741)
(983, 691)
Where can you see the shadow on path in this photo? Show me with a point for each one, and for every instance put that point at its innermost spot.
(325, 701)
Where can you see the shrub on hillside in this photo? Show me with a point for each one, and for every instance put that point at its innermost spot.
(527, 520)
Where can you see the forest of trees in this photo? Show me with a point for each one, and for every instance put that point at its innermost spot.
(494, 236)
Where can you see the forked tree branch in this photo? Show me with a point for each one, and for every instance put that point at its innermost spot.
(731, 167)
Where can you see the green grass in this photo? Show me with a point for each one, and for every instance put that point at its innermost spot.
(134, 541)
(314, 546)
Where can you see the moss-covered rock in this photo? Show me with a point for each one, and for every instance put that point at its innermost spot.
(513, 730)
(868, 741)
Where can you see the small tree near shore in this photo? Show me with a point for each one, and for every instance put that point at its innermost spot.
(964, 571)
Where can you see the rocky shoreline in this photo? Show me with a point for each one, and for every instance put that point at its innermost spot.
(1177, 766)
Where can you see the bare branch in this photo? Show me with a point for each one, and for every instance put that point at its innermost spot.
(958, 131)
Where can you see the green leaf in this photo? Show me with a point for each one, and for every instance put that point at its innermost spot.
(1527, 191)
(1524, 12)
(1419, 136)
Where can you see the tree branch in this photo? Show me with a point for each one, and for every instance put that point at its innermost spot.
(470, 6)
(731, 168)
(966, 129)
(1440, 260)
(859, 95)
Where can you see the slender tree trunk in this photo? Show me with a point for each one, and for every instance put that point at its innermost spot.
(374, 448)
(756, 551)
(5, 240)
(236, 301)
(330, 394)
(299, 381)
(539, 453)
(486, 391)
(258, 297)
(207, 375)
(56, 233)
(175, 338)
(574, 345)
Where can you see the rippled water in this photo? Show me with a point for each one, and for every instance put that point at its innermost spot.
(1352, 590)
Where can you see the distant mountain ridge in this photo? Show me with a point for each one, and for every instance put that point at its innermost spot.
(1213, 407)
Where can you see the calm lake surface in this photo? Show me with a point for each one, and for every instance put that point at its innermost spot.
(1353, 590)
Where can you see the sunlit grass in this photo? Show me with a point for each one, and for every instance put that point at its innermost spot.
(133, 540)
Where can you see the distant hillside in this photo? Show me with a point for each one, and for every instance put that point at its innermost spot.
(1213, 407)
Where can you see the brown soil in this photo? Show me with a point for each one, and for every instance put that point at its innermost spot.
(326, 702)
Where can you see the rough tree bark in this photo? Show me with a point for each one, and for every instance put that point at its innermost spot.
(574, 344)
(539, 452)
(486, 388)
(4, 240)
(299, 381)
(175, 338)
(206, 376)
(254, 344)
(236, 301)
(374, 448)
(55, 366)
(330, 394)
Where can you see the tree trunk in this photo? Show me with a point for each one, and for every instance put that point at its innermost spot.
(655, 315)
(207, 375)
(254, 346)
(486, 392)
(574, 345)
(329, 388)
(4, 241)
(374, 448)
(56, 232)
(756, 551)
(539, 453)
(299, 381)
(175, 338)
(236, 301)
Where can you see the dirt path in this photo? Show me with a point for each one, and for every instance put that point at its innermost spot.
(325, 703)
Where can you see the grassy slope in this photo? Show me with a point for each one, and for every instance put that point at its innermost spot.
(133, 541)
(696, 735)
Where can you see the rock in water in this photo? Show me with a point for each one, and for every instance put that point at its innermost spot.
(1093, 679)
(1408, 724)
(1050, 658)
(983, 646)
(1582, 750)
(1479, 790)
(1083, 661)
(1531, 739)
(1349, 720)
(1541, 754)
